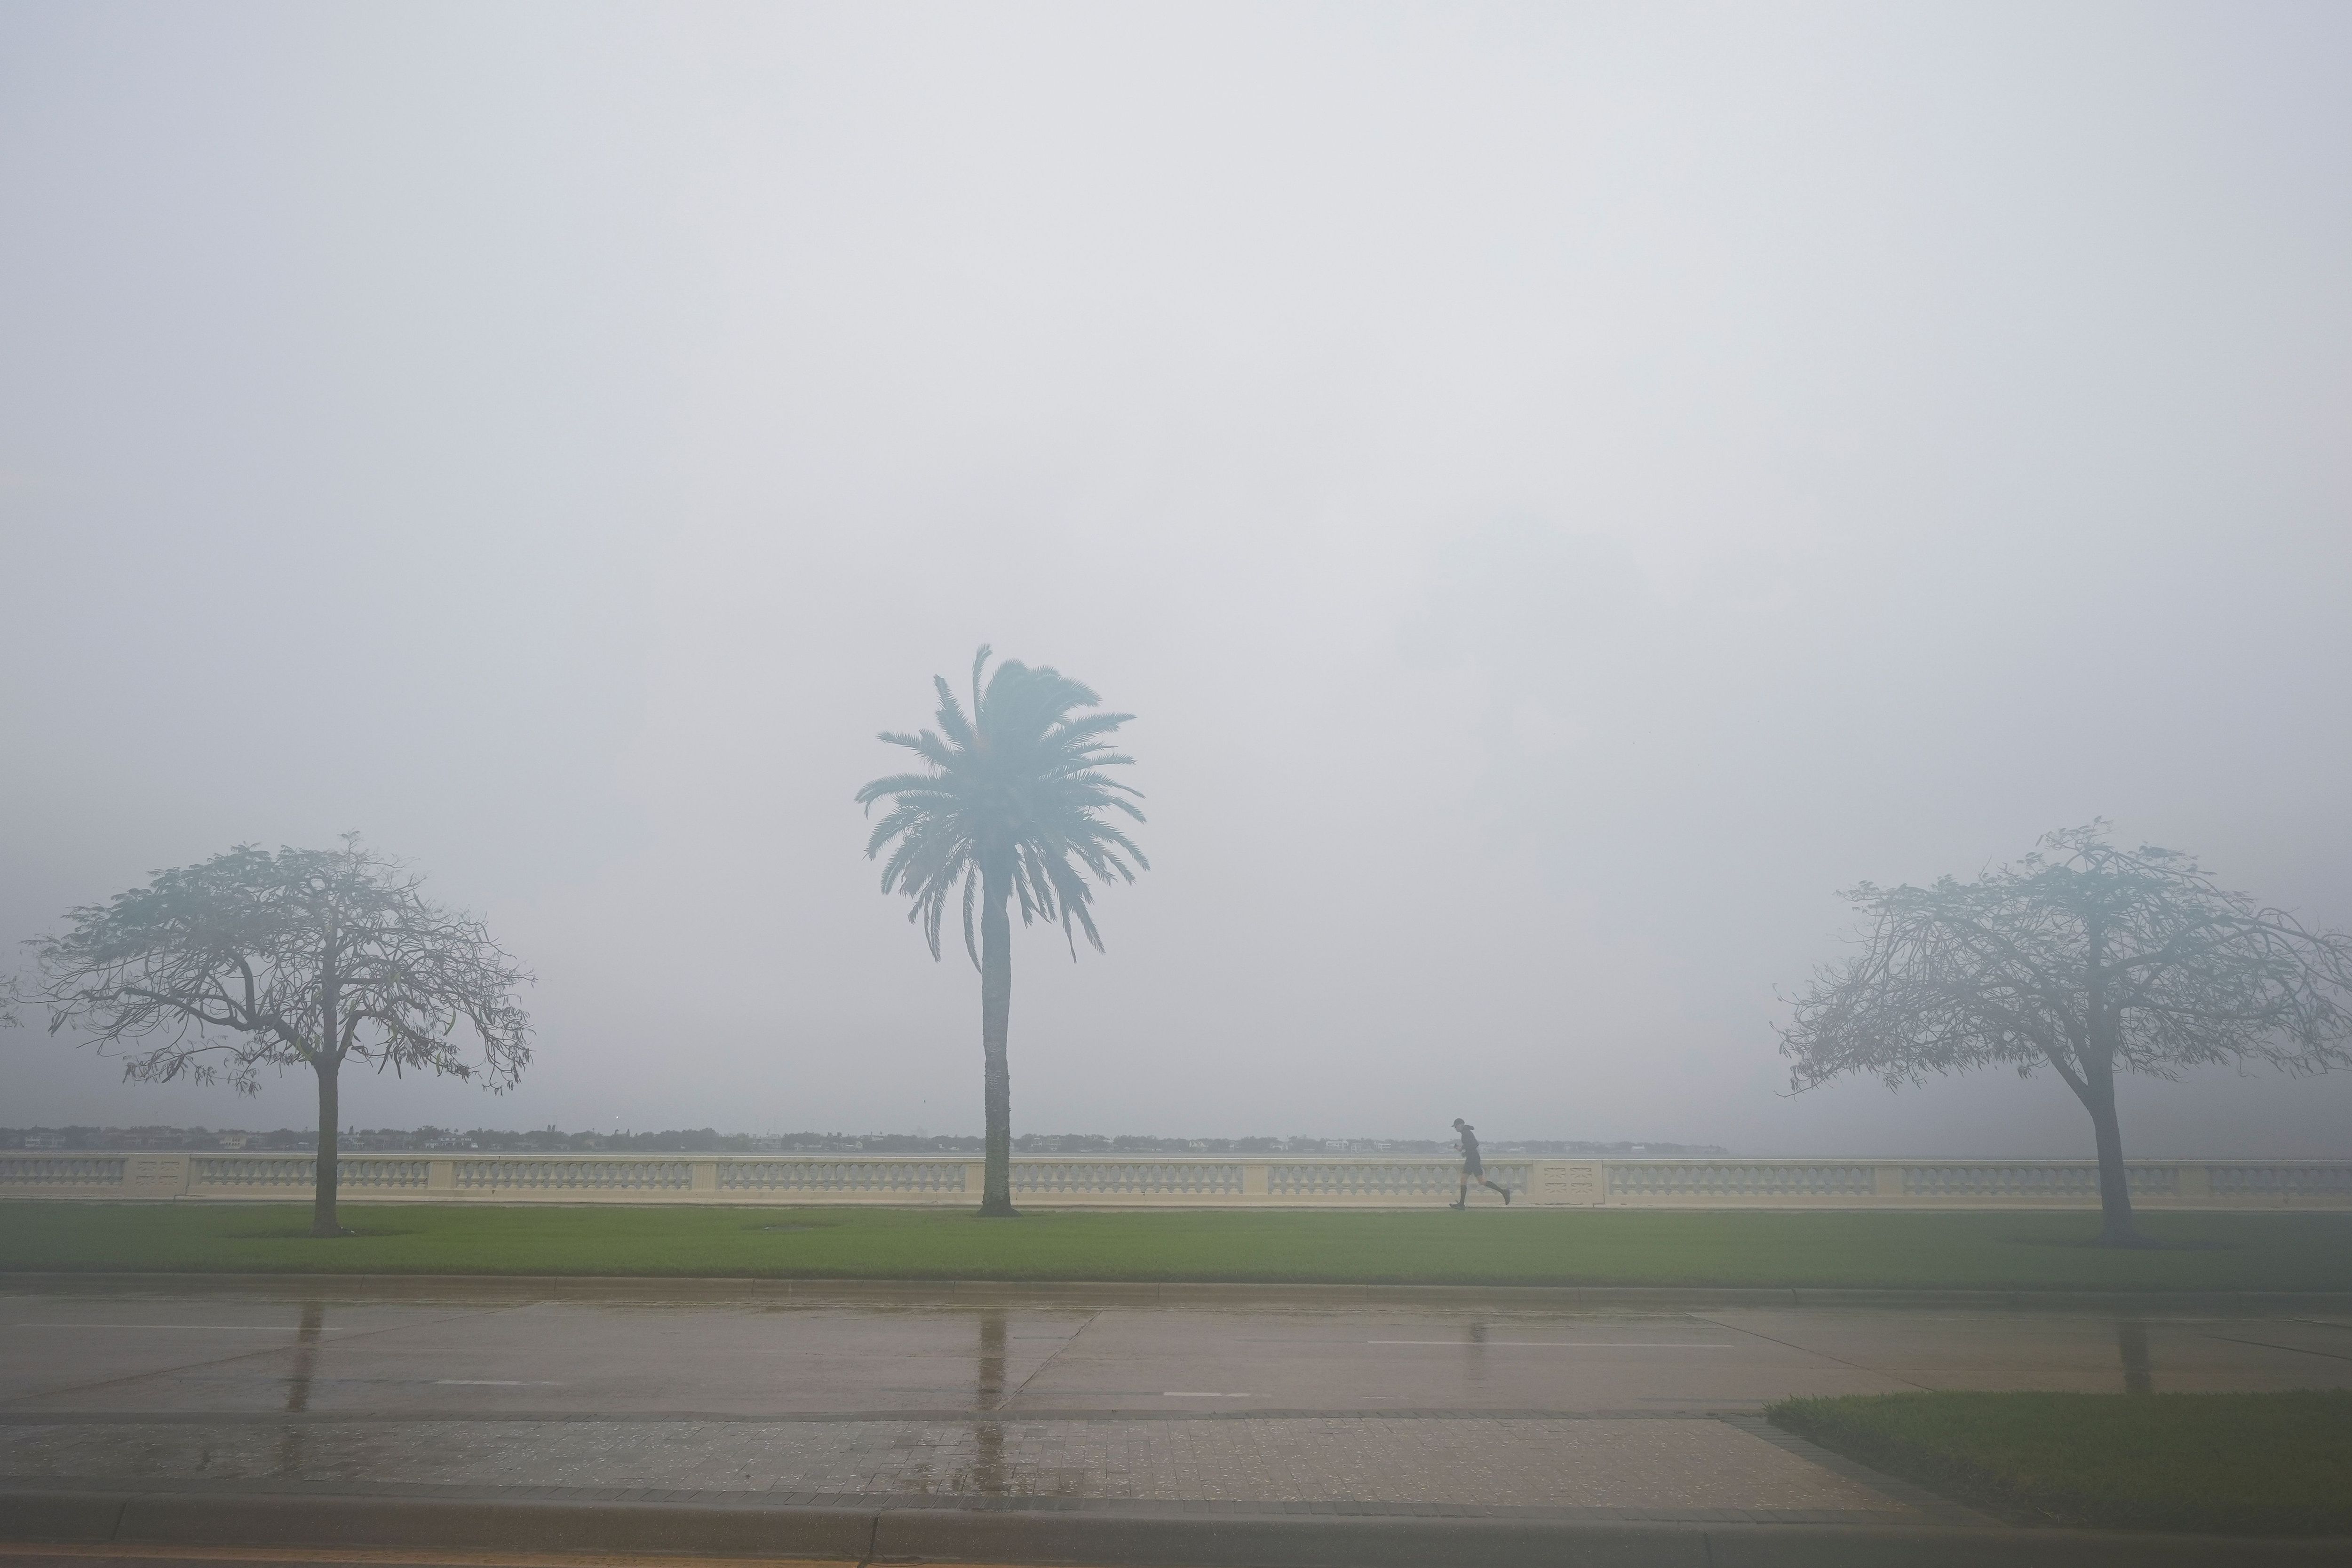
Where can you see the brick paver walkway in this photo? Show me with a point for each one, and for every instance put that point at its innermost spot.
(1641, 1464)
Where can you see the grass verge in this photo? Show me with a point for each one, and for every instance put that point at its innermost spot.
(1897, 1252)
(2225, 1464)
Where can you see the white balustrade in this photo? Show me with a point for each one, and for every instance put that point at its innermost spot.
(584, 1176)
(255, 1170)
(2281, 1181)
(1980, 1179)
(1357, 1181)
(1204, 1181)
(841, 1176)
(1716, 1178)
(1122, 1178)
(370, 1173)
(301, 1171)
(61, 1170)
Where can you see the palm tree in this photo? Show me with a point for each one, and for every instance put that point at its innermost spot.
(1010, 809)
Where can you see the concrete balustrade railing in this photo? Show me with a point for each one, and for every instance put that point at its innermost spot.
(1196, 1182)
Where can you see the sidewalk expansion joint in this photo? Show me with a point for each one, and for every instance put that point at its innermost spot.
(993, 1415)
(880, 1504)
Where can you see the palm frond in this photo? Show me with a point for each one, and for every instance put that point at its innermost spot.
(1010, 808)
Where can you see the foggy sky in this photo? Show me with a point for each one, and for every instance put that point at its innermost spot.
(1563, 488)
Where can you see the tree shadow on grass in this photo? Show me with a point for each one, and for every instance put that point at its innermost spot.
(2143, 1244)
(302, 1233)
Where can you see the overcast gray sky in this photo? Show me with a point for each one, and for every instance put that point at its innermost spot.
(1564, 489)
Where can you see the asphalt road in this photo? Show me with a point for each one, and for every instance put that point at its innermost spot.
(501, 1349)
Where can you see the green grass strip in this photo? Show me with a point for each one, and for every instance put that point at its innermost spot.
(1894, 1252)
(2225, 1464)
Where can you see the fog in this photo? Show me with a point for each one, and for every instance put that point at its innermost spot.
(1563, 490)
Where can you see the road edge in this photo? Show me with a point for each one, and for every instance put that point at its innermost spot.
(1194, 1537)
(1206, 1291)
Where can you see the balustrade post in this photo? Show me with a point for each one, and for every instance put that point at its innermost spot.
(159, 1176)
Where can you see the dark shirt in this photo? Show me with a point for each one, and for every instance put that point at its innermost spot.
(1469, 1144)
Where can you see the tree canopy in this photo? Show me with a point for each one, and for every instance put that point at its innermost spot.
(256, 960)
(2084, 957)
(1013, 792)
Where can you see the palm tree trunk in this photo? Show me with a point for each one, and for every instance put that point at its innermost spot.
(995, 1018)
(323, 1220)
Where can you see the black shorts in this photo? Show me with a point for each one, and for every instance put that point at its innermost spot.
(1474, 1166)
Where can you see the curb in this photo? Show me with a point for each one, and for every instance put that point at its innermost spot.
(1204, 1292)
(1191, 1538)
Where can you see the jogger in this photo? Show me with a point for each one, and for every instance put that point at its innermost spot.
(1473, 1167)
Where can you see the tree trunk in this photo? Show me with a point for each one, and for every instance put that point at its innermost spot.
(2098, 1091)
(2115, 1183)
(995, 1016)
(322, 1199)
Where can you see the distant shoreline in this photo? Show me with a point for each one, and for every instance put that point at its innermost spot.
(707, 1140)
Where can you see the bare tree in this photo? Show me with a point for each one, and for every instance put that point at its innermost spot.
(2084, 957)
(303, 957)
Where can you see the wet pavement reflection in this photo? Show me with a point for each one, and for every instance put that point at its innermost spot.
(2139, 1370)
(307, 1332)
(988, 1394)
